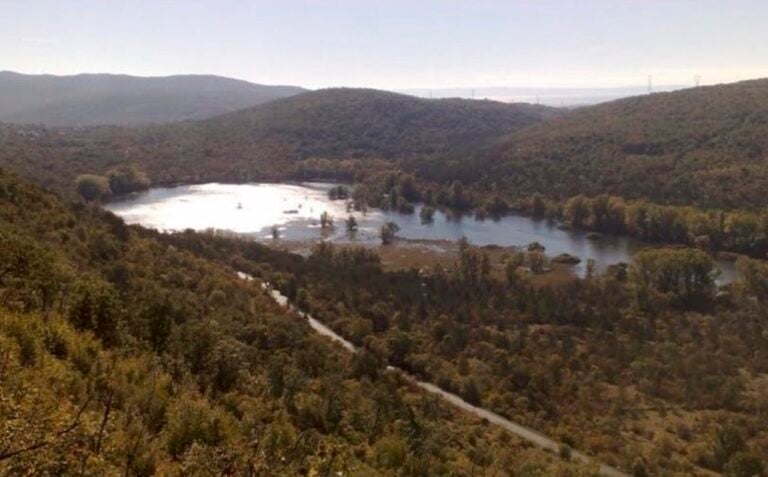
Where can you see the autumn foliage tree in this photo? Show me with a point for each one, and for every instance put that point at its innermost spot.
(684, 278)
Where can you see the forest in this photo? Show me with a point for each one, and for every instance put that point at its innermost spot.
(704, 147)
(266, 142)
(700, 147)
(129, 351)
(124, 354)
(145, 353)
(650, 367)
(713, 230)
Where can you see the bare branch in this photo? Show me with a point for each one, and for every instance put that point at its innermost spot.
(37, 445)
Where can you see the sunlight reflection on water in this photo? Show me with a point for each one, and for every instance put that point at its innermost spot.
(295, 209)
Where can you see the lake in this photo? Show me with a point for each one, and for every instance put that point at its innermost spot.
(253, 209)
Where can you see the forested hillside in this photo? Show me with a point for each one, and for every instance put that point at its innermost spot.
(98, 99)
(704, 146)
(123, 354)
(648, 367)
(269, 141)
(350, 122)
(144, 351)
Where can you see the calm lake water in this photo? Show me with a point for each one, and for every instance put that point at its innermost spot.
(253, 209)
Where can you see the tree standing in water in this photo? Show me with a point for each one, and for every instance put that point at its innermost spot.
(326, 221)
(351, 224)
(388, 232)
(427, 214)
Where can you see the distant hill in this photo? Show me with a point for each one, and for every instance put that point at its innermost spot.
(706, 146)
(355, 122)
(267, 141)
(703, 146)
(100, 99)
(549, 96)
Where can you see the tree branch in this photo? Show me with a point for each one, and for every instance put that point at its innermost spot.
(37, 445)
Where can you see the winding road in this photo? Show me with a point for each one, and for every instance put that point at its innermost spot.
(519, 430)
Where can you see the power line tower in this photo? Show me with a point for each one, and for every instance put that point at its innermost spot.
(697, 80)
(650, 84)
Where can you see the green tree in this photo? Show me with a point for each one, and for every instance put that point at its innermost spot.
(388, 232)
(639, 469)
(576, 211)
(338, 193)
(727, 443)
(456, 197)
(93, 188)
(512, 264)
(30, 275)
(191, 420)
(744, 464)
(127, 179)
(471, 392)
(536, 261)
(326, 221)
(351, 223)
(94, 307)
(538, 205)
(391, 452)
(427, 214)
(683, 277)
(754, 277)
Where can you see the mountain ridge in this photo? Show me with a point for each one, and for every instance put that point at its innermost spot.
(105, 99)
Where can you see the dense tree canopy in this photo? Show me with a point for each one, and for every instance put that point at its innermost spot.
(269, 141)
(125, 352)
(702, 146)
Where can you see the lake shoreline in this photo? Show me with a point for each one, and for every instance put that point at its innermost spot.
(292, 211)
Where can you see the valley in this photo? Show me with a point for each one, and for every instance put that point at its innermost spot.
(306, 238)
(622, 319)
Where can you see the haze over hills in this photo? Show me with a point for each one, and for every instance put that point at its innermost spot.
(549, 96)
(99, 99)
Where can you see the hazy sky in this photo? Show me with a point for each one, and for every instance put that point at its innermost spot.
(393, 44)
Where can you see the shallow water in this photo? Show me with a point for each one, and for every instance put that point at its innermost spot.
(253, 209)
